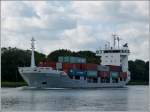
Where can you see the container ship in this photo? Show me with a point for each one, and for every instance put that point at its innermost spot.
(74, 72)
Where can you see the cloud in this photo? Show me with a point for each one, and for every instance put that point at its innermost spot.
(17, 9)
(75, 25)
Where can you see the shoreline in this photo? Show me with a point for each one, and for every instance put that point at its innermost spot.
(18, 84)
(13, 84)
(138, 83)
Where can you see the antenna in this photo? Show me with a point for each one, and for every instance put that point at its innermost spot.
(105, 46)
(32, 43)
(118, 39)
(114, 37)
(108, 44)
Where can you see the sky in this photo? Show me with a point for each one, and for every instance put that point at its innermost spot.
(76, 25)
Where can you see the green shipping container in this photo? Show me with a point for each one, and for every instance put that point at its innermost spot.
(102, 68)
(91, 73)
(81, 73)
(60, 59)
(73, 59)
(114, 74)
(83, 60)
(77, 60)
(67, 59)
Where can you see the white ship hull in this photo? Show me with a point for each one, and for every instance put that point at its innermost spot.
(56, 80)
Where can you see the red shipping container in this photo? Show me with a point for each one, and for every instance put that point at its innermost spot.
(71, 66)
(83, 66)
(51, 64)
(115, 68)
(40, 64)
(67, 65)
(103, 74)
(91, 66)
(78, 66)
(123, 74)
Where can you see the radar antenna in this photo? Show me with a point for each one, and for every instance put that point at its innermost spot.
(125, 45)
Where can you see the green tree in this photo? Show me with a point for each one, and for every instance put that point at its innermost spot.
(90, 56)
(12, 58)
(139, 70)
(146, 77)
(53, 56)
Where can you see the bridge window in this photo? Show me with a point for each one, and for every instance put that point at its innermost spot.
(44, 82)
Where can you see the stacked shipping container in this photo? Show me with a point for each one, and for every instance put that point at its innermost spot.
(115, 68)
(103, 74)
(71, 59)
(123, 75)
(88, 70)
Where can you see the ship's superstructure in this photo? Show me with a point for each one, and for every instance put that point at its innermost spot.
(74, 72)
(115, 55)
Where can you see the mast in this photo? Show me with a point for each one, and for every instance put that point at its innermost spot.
(32, 56)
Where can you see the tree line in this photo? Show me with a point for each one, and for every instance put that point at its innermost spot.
(12, 58)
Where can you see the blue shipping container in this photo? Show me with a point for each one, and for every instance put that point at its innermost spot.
(75, 72)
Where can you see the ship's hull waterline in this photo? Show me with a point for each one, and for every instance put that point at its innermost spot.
(47, 80)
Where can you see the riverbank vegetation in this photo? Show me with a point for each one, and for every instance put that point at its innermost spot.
(11, 58)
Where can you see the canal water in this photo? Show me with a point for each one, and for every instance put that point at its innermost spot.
(132, 98)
